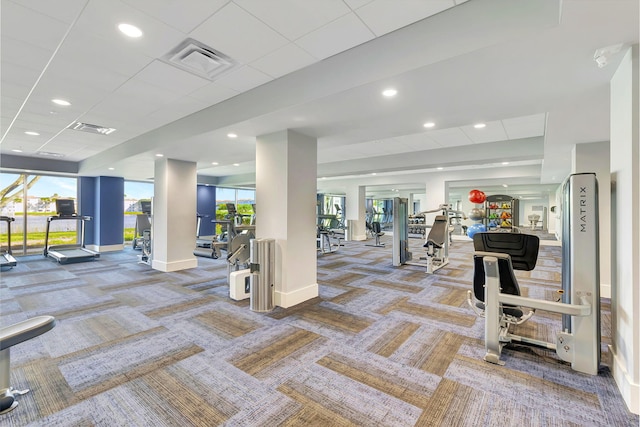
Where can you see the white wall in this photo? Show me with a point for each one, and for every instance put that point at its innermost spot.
(625, 227)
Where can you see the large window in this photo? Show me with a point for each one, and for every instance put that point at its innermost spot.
(30, 199)
(134, 193)
(244, 200)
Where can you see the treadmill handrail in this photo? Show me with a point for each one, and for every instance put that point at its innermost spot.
(81, 218)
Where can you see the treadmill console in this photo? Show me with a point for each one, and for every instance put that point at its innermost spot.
(65, 207)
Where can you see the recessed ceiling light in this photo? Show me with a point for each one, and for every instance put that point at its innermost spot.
(373, 173)
(505, 185)
(111, 169)
(232, 135)
(215, 163)
(429, 124)
(15, 150)
(440, 168)
(62, 102)
(32, 133)
(236, 164)
(159, 155)
(389, 92)
(130, 30)
(505, 163)
(479, 125)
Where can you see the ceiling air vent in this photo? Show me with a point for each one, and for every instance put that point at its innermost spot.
(86, 127)
(199, 59)
(49, 154)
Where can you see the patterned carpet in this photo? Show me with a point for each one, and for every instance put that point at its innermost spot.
(380, 346)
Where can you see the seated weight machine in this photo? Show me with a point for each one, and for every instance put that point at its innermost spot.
(436, 244)
(496, 294)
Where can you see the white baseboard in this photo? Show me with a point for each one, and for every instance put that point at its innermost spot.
(605, 290)
(286, 300)
(174, 265)
(629, 390)
(105, 248)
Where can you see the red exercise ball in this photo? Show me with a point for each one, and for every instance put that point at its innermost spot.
(477, 196)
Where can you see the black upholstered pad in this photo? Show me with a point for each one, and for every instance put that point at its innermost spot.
(438, 232)
(522, 248)
(25, 330)
(522, 251)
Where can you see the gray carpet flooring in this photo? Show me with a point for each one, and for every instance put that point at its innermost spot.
(380, 346)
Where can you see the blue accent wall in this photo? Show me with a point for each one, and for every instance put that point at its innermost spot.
(103, 199)
(206, 205)
(110, 210)
(87, 206)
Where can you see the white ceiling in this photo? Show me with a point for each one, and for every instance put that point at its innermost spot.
(523, 67)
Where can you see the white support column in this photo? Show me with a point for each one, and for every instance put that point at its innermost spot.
(436, 192)
(625, 228)
(594, 157)
(356, 211)
(174, 215)
(286, 169)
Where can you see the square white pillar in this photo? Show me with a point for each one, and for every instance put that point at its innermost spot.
(356, 211)
(286, 177)
(174, 215)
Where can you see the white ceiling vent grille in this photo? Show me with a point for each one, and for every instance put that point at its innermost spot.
(86, 127)
(199, 59)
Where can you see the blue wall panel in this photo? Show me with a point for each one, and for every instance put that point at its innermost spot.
(110, 210)
(206, 206)
(87, 206)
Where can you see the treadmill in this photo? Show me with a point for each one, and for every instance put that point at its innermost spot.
(66, 254)
(6, 259)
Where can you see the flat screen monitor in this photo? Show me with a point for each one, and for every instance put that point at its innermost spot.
(145, 206)
(65, 207)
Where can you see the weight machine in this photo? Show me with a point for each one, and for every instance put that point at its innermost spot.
(496, 295)
(436, 244)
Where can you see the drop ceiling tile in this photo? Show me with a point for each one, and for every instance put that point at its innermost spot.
(21, 125)
(244, 78)
(174, 111)
(213, 93)
(62, 10)
(83, 48)
(335, 37)
(293, 18)
(418, 141)
(450, 137)
(493, 131)
(24, 54)
(171, 78)
(525, 127)
(14, 75)
(101, 19)
(21, 23)
(355, 4)
(71, 76)
(238, 34)
(179, 14)
(384, 16)
(283, 61)
(133, 100)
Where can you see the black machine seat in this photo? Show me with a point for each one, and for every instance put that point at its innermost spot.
(438, 233)
(519, 252)
(377, 229)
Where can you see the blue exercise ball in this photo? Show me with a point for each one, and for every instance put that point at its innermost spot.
(476, 228)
